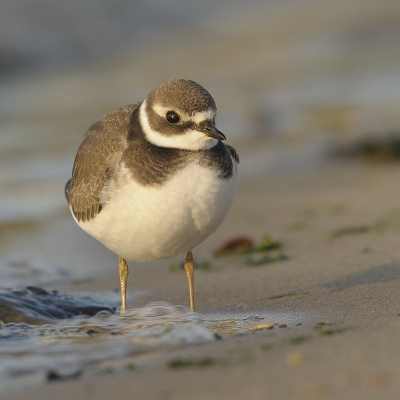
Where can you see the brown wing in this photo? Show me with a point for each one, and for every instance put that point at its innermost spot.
(96, 160)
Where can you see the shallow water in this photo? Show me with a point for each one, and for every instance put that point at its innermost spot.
(65, 348)
(36, 305)
(245, 321)
(46, 335)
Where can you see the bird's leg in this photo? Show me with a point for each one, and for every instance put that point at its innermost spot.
(189, 268)
(123, 279)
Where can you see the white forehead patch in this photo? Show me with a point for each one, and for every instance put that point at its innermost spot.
(203, 116)
(190, 140)
(196, 117)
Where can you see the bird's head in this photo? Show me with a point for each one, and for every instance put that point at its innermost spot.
(180, 114)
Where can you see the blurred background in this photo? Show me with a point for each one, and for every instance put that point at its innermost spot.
(299, 84)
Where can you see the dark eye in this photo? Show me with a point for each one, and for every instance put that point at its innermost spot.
(172, 117)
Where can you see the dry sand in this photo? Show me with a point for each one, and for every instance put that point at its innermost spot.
(349, 282)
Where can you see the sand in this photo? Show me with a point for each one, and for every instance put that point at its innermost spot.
(291, 80)
(336, 307)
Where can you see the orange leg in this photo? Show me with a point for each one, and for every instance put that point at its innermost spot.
(189, 268)
(123, 280)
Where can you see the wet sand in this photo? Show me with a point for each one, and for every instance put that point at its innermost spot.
(333, 305)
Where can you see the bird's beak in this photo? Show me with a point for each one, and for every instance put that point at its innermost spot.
(211, 131)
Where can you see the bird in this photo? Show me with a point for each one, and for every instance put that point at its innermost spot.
(152, 180)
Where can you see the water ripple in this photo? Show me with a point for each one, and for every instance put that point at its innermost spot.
(67, 347)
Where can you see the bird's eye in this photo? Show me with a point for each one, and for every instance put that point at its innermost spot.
(172, 117)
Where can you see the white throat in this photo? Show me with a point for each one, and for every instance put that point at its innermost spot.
(190, 140)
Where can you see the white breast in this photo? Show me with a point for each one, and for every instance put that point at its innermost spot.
(149, 223)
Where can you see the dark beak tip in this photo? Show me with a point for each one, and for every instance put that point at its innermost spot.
(211, 131)
(216, 135)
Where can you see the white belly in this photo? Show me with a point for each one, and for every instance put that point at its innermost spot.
(149, 223)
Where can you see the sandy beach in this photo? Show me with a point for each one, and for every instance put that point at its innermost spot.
(334, 302)
(308, 93)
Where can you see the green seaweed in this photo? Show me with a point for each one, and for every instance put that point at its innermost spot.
(245, 246)
(191, 362)
(280, 296)
(267, 259)
(350, 230)
(267, 243)
(331, 331)
(391, 219)
(299, 338)
(130, 366)
(326, 329)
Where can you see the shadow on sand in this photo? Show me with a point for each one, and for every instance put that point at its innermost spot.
(382, 273)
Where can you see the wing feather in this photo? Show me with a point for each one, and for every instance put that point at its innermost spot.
(96, 160)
